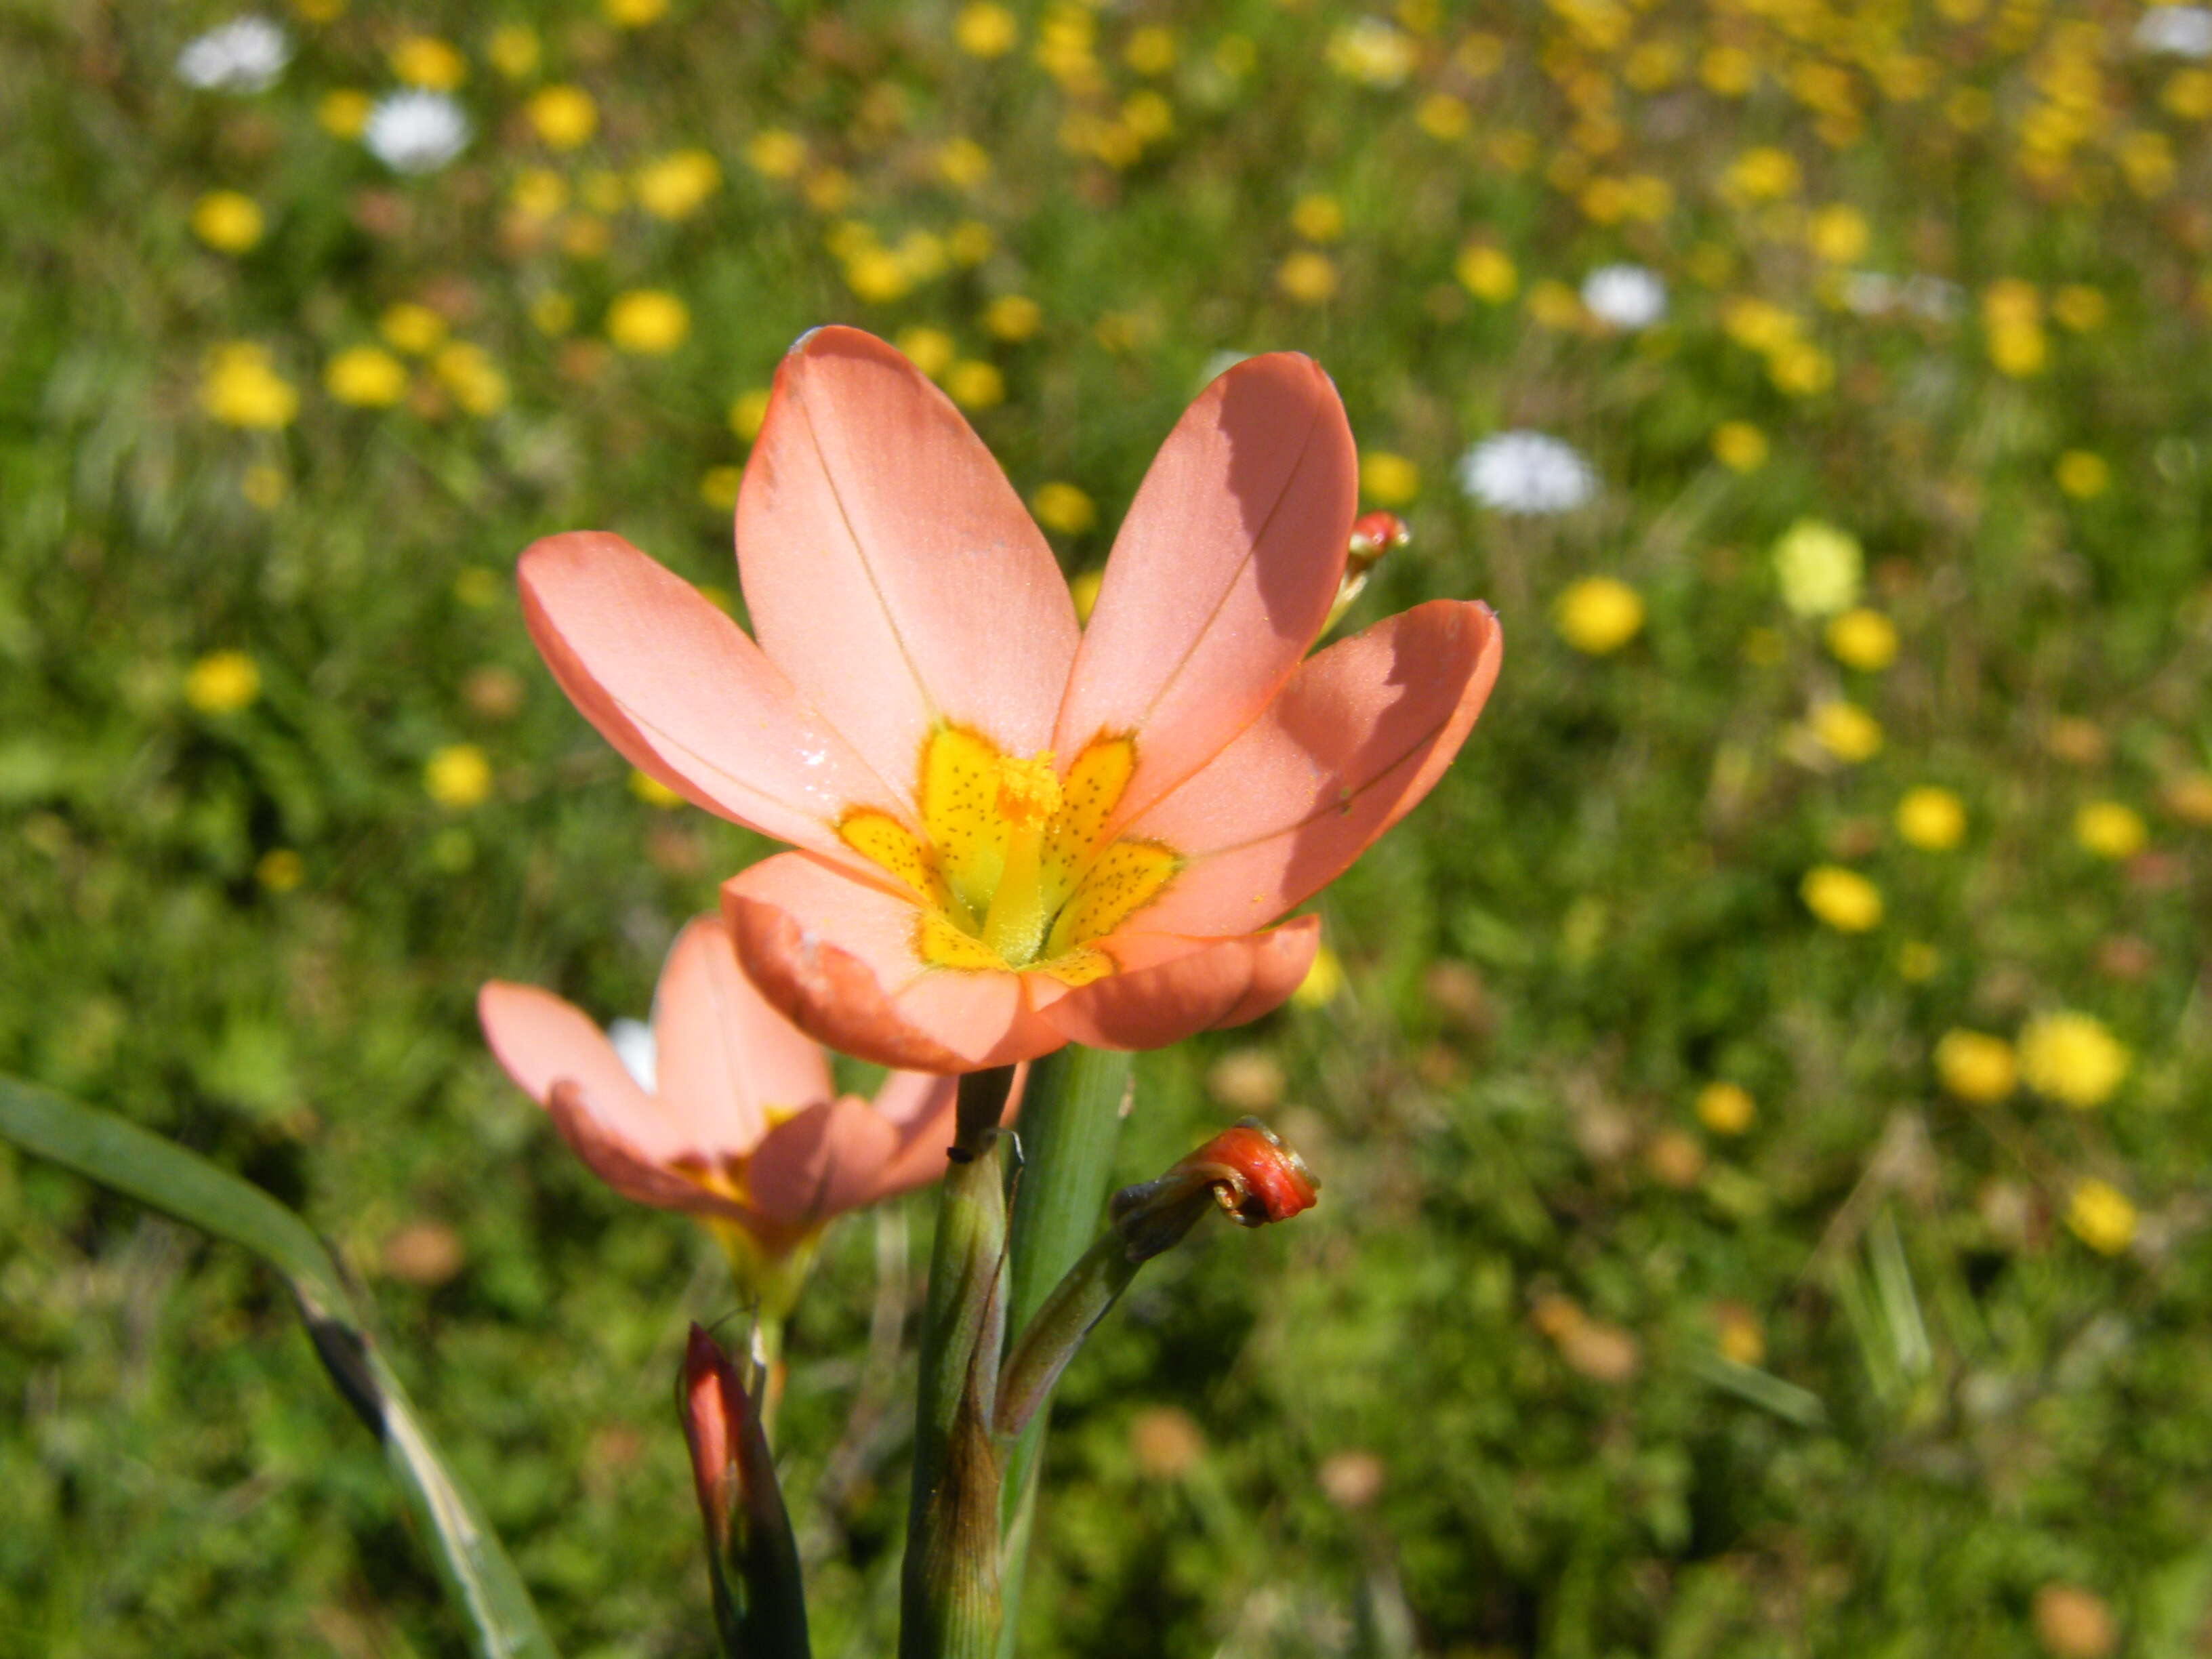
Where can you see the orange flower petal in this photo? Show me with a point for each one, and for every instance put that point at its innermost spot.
(837, 955)
(1171, 988)
(1223, 574)
(1355, 740)
(890, 568)
(687, 699)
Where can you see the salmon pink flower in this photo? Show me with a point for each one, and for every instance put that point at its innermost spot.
(741, 1127)
(1014, 832)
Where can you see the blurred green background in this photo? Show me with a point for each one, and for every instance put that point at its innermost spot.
(1764, 1211)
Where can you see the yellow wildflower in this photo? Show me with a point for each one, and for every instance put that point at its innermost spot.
(539, 193)
(929, 350)
(1063, 508)
(1843, 899)
(718, 486)
(458, 776)
(1728, 71)
(1863, 639)
(1598, 615)
(2083, 474)
(226, 222)
(414, 328)
(366, 376)
(1083, 591)
(1389, 480)
(1974, 1065)
(467, 371)
(2072, 1058)
(564, 117)
(647, 322)
(677, 185)
(878, 275)
(1555, 304)
(222, 683)
(1013, 317)
(1932, 819)
(1839, 234)
(2101, 1215)
(1763, 174)
(1318, 218)
(1739, 446)
(652, 792)
(239, 387)
(1442, 117)
(1726, 1108)
(973, 384)
(1487, 274)
(1845, 731)
(747, 410)
(424, 60)
(1307, 276)
(774, 153)
(633, 14)
(2110, 829)
(962, 162)
(2018, 349)
(1150, 49)
(553, 313)
(984, 30)
(513, 50)
(344, 112)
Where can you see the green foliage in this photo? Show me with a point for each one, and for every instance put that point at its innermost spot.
(126, 1159)
(1556, 1367)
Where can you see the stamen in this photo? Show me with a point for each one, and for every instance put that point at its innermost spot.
(1028, 790)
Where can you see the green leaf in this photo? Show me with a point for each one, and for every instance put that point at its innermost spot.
(103, 1147)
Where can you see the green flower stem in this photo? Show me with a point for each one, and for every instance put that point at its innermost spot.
(1051, 1340)
(1071, 1118)
(949, 1584)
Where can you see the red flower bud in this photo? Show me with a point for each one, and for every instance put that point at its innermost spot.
(759, 1606)
(1374, 534)
(1256, 1179)
(715, 1408)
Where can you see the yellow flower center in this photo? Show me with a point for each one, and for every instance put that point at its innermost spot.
(1012, 869)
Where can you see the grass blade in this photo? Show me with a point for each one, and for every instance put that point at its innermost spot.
(104, 1148)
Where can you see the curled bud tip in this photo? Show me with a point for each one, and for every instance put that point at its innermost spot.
(1257, 1178)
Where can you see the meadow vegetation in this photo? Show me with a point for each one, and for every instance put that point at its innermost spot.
(1759, 1096)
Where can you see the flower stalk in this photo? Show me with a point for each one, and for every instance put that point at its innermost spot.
(948, 1604)
(1071, 1111)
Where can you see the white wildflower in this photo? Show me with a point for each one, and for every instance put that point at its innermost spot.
(1527, 473)
(2183, 31)
(246, 54)
(638, 1050)
(416, 131)
(1875, 293)
(1625, 297)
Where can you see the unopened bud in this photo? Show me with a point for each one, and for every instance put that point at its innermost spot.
(1373, 534)
(751, 1557)
(1246, 1171)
